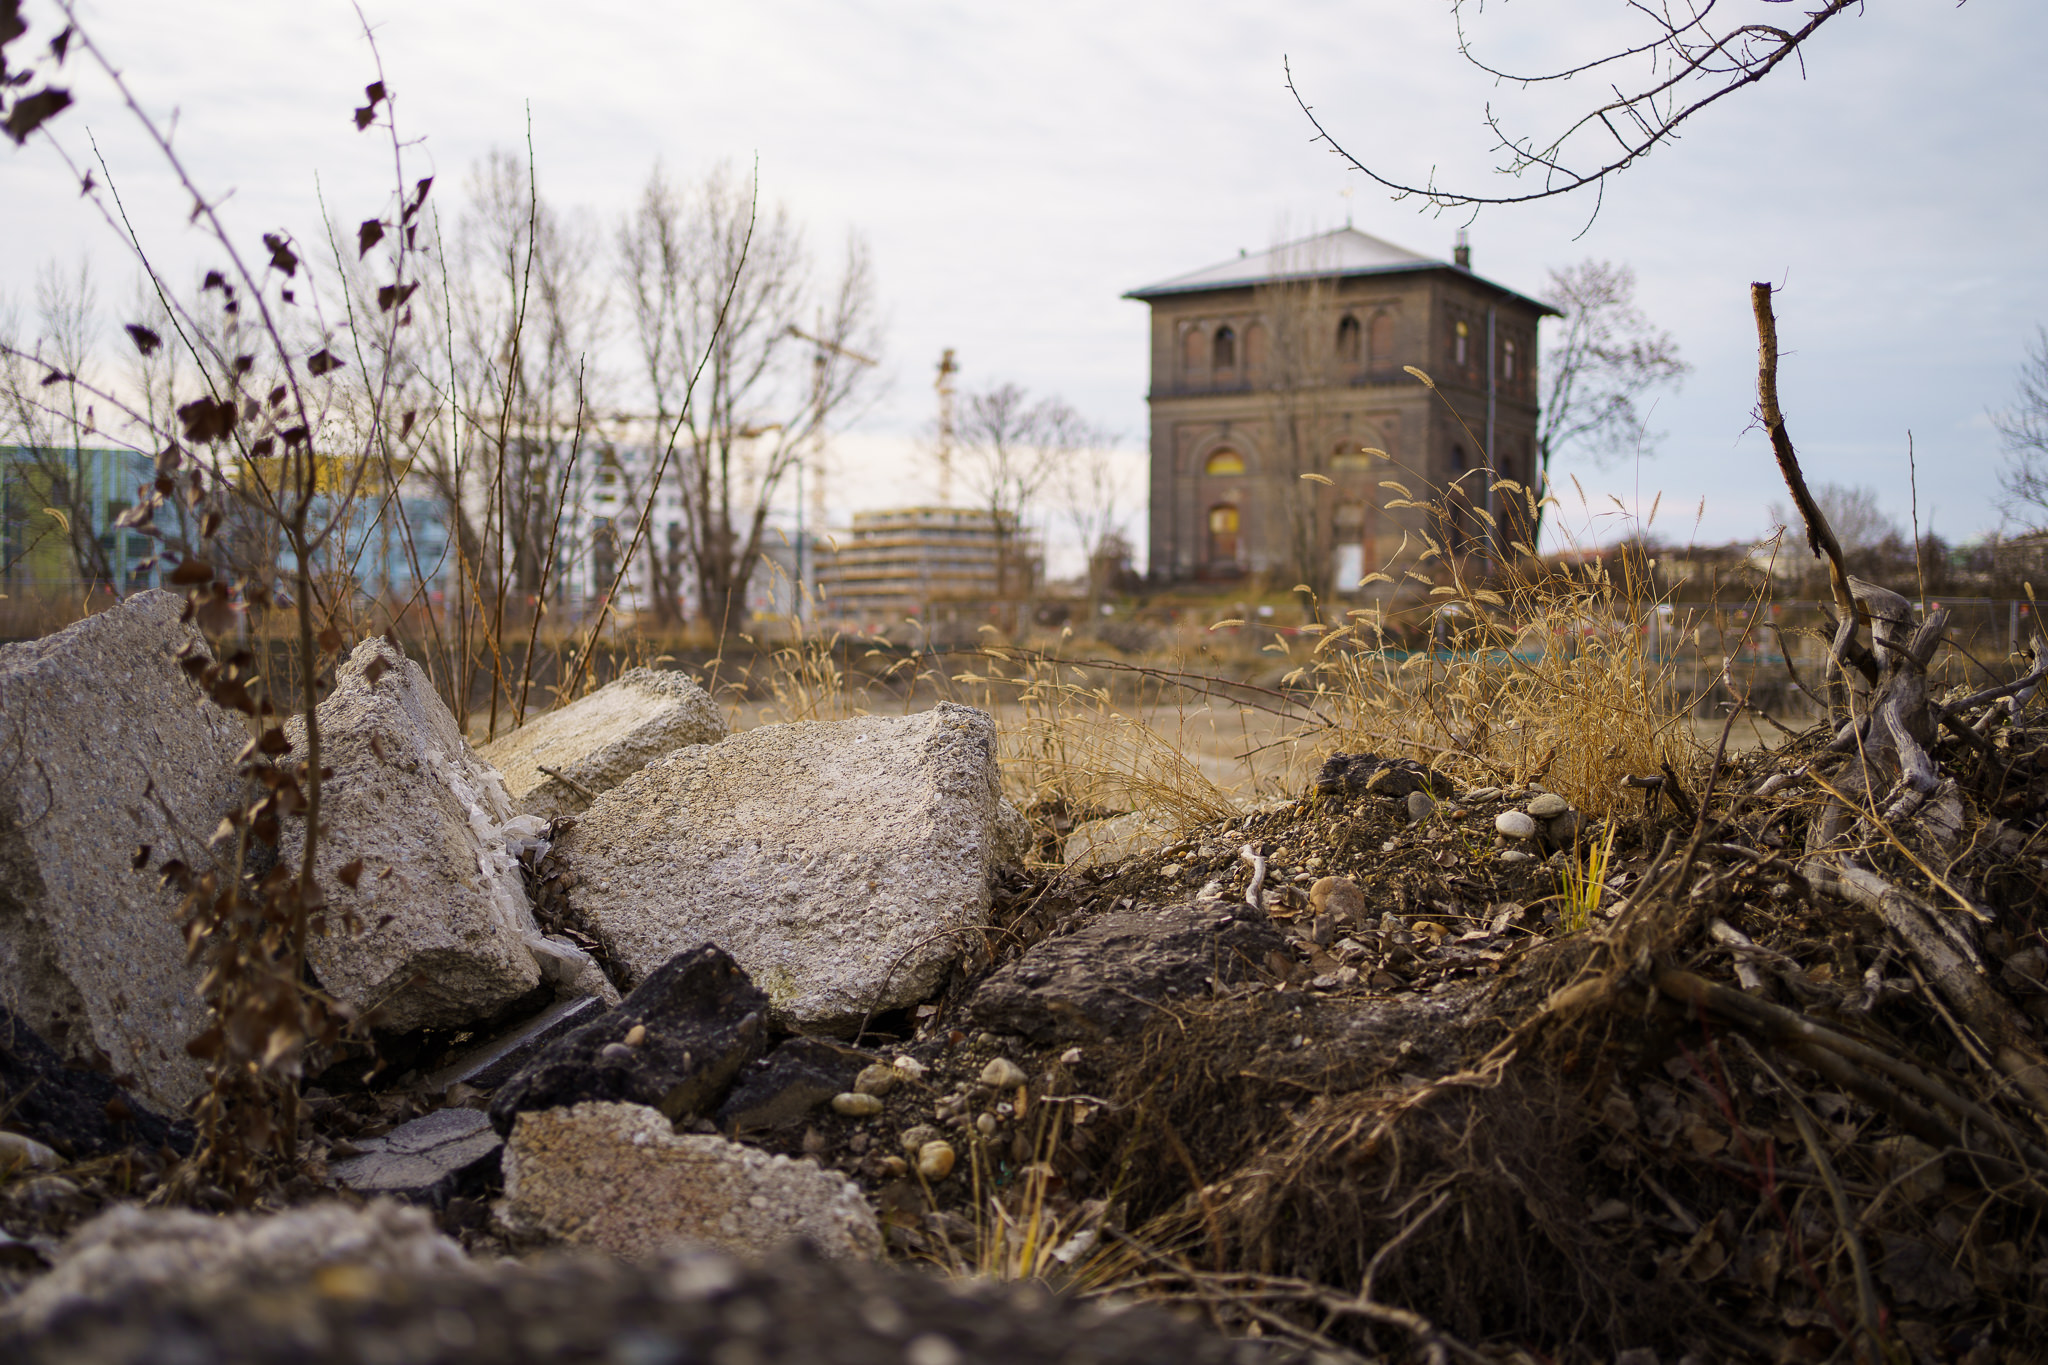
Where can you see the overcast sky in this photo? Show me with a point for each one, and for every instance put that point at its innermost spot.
(1017, 168)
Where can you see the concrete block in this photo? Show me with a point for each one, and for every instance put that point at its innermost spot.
(603, 739)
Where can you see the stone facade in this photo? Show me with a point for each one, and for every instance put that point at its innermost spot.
(1294, 362)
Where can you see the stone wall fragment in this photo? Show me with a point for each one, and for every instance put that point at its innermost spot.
(603, 739)
(106, 747)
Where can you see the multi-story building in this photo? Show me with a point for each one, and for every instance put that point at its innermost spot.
(944, 567)
(58, 507)
(1283, 404)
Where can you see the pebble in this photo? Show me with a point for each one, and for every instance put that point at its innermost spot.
(911, 1068)
(1515, 824)
(1170, 870)
(895, 1166)
(877, 1079)
(855, 1105)
(1003, 1074)
(1478, 794)
(1071, 1057)
(985, 1125)
(17, 1150)
(1548, 806)
(636, 1035)
(1515, 855)
(935, 1160)
(617, 1052)
(914, 1138)
(1420, 806)
(1339, 896)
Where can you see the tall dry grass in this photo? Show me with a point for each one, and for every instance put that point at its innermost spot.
(1526, 672)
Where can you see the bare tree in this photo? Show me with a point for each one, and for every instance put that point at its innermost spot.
(1009, 448)
(736, 404)
(1091, 486)
(48, 419)
(1297, 374)
(1859, 523)
(1609, 357)
(2023, 428)
(1683, 59)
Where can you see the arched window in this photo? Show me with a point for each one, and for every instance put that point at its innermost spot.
(1225, 349)
(1223, 534)
(1507, 362)
(1350, 341)
(1223, 463)
(1459, 347)
(1382, 340)
(1351, 454)
(1191, 349)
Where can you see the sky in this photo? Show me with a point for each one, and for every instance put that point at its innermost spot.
(1016, 169)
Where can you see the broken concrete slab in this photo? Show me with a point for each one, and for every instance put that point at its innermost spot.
(80, 1113)
(130, 1251)
(598, 742)
(841, 864)
(674, 1044)
(1117, 973)
(620, 1178)
(107, 746)
(490, 1064)
(782, 1088)
(425, 1161)
(443, 934)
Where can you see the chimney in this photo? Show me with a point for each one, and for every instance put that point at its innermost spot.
(1461, 254)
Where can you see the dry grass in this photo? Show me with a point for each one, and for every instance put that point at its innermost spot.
(1539, 673)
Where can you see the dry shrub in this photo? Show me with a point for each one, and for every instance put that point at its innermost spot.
(1530, 672)
(1071, 750)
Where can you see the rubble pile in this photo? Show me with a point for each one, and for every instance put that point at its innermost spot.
(1400, 1066)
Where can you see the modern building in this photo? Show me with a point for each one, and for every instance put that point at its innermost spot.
(944, 567)
(58, 506)
(1282, 407)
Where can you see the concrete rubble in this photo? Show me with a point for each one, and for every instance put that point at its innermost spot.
(1116, 974)
(107, 747)
(422, 1162)
(130, 1251)
(840, 863)
(619, 1178)
(598, 742)
(674, 1044)
(445, 934)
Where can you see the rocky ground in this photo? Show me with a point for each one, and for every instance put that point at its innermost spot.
(1398, 1068)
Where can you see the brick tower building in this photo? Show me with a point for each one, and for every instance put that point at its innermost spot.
(1292, 362)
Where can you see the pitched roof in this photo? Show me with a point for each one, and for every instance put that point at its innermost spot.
(1338, 254)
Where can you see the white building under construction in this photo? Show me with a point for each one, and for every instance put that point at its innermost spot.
(946, 568)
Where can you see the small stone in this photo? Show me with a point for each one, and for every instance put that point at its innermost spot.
(895, 1167)
(1515, 855)
(1169, 870)
(1003, 1074)
(1071, 1057)
(877, 1079)
(855, 1105)
(635, 1035)
(18, 1151)
(1515, 825)
(1339, 896)
(985, 1125)
(1548, 806)
(617, 1052)
(1564, 830)
(914, 1139)
(935, 1160)
(1480, 794)
(1421, 805)
(912, 1069)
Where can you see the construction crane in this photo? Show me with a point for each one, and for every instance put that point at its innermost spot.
(817, 461)
(948, 367)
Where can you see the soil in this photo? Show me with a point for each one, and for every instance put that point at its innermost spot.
(1501, 1113)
